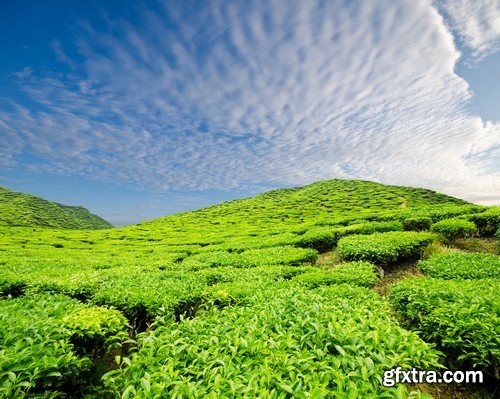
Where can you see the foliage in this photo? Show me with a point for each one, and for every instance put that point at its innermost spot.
(18, 209)
(487, 222)
(417, 223)
(384, 248)
(38, 352)
(370, 228)
(321, 239)
(254, 257)
(287, 342)
(242, 269)
(356, 273)
(459, 316)
(462, 266)
(324, 238)
(452, 229)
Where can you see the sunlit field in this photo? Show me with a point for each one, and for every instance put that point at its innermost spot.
(290, 294)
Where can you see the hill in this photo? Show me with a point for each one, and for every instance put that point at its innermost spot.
(327, 202)
(19, 209)
(313, 291)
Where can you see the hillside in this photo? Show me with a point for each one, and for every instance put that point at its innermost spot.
(19, 209)
(327, 202)
(304, 292)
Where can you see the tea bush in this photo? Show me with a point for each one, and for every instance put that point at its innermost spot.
(486, 222)
(38, 348)
(321, 239)
(462, 266)
(370, 228)
(288, 342)
(324, 239)
(384, 248)
(417, 223)
(357, 273)
(150, 295)
(286, 255)
(460, 316)
(452, 229)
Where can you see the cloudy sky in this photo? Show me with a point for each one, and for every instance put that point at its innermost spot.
(140, 109)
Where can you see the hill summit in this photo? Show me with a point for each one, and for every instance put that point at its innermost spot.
(327, 200)
(19, 209)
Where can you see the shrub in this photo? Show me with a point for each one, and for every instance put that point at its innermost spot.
(362, 274)
(421, 223)
(149, 295)
(321, 239)
(285, 255)
(288, 342)
(39, 350)
(460, 316)
(95, 329)
(448, 212)
(487, 222)
(452, 229)
(233, 293)
(370, 228)
(462, 266)
(384, 248)
(324, 239)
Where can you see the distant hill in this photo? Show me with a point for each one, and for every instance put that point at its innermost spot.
(328, 200)
(18, 209)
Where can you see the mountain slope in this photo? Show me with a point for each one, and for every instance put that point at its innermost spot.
(330, 201)
(19, 209)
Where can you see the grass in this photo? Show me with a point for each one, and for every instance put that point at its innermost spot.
(473, 244)
(393, 276)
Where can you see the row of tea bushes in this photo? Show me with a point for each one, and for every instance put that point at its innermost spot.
(487, 222)
(469, 266)
(325, 238)
(143, 294)
(287, 342)
(363, 274)
(460, 316)
(48, 343)
(451, 229)
(384, 248)
(285, 255)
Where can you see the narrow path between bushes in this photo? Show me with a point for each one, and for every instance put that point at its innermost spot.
(410, 270)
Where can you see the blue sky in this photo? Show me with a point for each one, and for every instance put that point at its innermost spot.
(141, 109)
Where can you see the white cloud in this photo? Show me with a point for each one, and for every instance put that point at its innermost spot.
(266, 92)
(477, 22)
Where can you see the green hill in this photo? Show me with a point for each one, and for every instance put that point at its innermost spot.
(306, 292)
(325, 202)
(19, 209)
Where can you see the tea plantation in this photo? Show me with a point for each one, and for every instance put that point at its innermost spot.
(275, 296)
(18, 209)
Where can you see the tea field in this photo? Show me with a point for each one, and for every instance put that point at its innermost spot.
(19, 209)
(275, 296)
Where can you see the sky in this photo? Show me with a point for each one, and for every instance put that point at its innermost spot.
(141, 109)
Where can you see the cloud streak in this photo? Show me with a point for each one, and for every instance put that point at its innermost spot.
(244, 94)
(477, 23)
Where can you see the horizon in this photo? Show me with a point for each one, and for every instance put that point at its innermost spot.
(146, 110)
